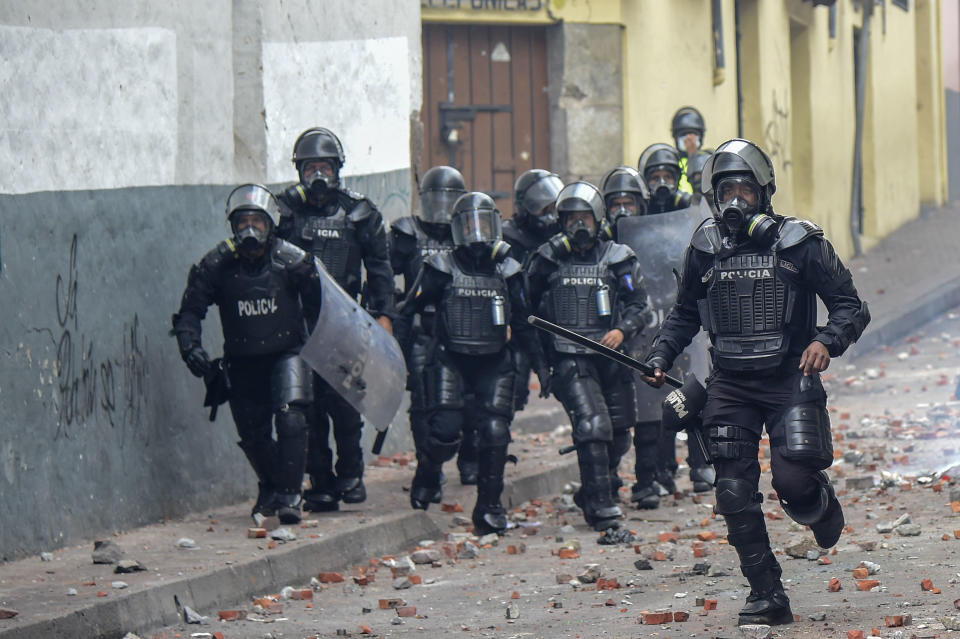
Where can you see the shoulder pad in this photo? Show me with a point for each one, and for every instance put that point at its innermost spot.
(363, 209)
(616, 253)
(293, 195)
(794, 231)
(510, 267)
(406, 225)
(222, 252)
(707, 237)
(288, 254)
(442, 261)
(547, 250)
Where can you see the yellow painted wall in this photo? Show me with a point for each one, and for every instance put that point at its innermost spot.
(669, 63)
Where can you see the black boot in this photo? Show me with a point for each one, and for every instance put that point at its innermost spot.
(266, 505)
(262, 456)
(767, 603)
(351, 490)
(646, 497)
(288, 508)
(666, 481)
(594, 497)
(467, 456)
(426, 484)
(703, 478)
(323, 496)
(489, 515)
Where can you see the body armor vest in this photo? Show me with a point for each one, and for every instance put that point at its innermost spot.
(572, 300)
(468, 312)
(748, 311)
(260, 312)
(333, 239)
(427, 245)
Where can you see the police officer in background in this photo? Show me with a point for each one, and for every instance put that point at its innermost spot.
(478, 293)
(342, 229)
(624, 195)
(592, 286)
(694, 174)
(660, 167)
(412, 240)
(266, 290)
(688, 129)
(534, 222)
(751, 279)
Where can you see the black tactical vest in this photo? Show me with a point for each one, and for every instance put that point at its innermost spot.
(748, 311)
(571, 299)
(427, 245)
(332, 239)
(467, 311)
(260, 312)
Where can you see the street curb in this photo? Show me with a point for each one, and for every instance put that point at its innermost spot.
(234, 585)
(923, 310)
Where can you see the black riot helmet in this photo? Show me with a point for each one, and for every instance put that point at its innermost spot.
(440, 187)
(318, 143)
(695, 169)
(476, 225)
(741, 178)
(660, 167)
(624, 194)
(581, 211)
(685, 121)
(252, 200)
(535, 197)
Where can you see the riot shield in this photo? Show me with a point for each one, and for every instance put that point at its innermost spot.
(355, 355)
(660, 242)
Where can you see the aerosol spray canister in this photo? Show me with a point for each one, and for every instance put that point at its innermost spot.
(603, 300)
(499, 313)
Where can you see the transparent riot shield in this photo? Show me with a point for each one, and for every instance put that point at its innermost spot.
(356, 356)
(660, 242)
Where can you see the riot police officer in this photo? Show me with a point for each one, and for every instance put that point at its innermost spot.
(534, 222)
(412, 240)
(624, 195)
(265, 288)
(478, 293)
(694, 173)
(342, 229)
(592, 286)
(660, 167)
(688, 129)
(751, 278)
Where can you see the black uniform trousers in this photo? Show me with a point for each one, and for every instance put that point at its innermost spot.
(347, 430)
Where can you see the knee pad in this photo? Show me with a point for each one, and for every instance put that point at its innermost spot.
(803, 428)
(812, 511)
(498, 395)
(622, 405)
(445, 426)
(440, 451)
(595, 428)
(735, 496)
(443, 386)
(291, 422)
(732, 442)
(291, 381)
(493, 432)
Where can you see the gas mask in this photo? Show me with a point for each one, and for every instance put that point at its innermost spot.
(546, 223)
(681, 145)
(250, 239)
(661, 191)
(581, 234)
(317, 184)
(737, 199)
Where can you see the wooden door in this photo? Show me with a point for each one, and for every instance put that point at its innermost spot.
(485, 107)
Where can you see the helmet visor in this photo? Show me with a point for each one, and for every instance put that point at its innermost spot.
(541, 195)
(475, 225)
(730, 188)
(436, 205)
(622, 204)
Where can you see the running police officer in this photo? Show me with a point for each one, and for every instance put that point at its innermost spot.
(265, 289)
(412, 240)
(478, 293)
(534, 222)
(592, 286)
(750, 279)
(342, 229)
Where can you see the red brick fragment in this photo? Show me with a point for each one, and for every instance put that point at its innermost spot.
(365, 630)
(710, 604)
(387, 604)
(101, 594)
(232, 615)
(668, 537)
(926, 585)
(302, 594)
(680, 616)
(855, 634)
(568, 553)
(406, 611)
(330, 577)
(896, 621)
(834, 585)
(867, 584)
(607, 584)
(706, 535)
(860, 573)
(657, 618)
(218, 635)
(659, 556)
(451, 508)
(256, 533)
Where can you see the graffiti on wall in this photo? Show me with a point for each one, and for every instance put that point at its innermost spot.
(776, 135)
(390, 191)
(87, 386)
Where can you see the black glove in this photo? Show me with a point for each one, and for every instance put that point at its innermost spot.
(197, 361)
(546, 381)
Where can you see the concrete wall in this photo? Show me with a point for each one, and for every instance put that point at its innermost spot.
(950, 39)
(127, 123)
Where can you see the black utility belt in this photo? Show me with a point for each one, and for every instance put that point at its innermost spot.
(788, 366)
